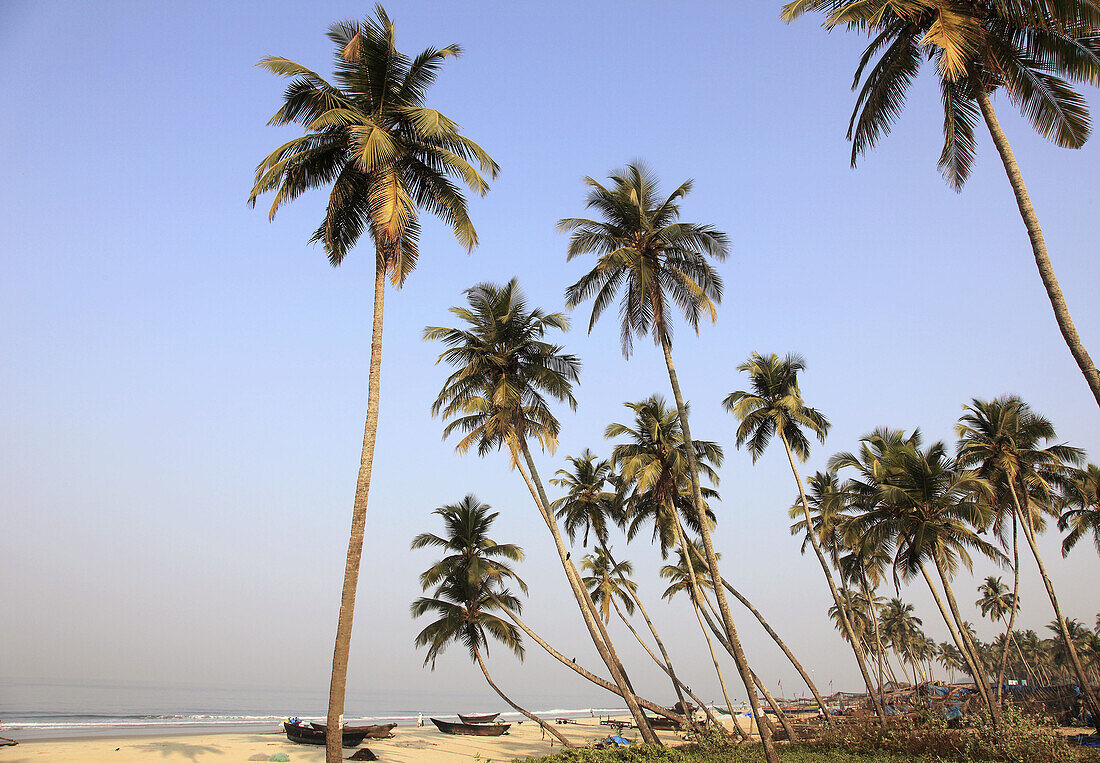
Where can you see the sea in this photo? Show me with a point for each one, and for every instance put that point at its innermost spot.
(36, 709)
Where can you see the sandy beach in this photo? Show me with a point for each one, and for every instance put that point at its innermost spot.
(408, 744)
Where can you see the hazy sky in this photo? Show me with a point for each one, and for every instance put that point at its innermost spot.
(185, 382)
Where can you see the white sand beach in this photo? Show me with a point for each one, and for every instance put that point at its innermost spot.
(408, 745)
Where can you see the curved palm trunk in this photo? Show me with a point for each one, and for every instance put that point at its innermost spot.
(738, 652)
(1075, 661)
(580, 670)
(595, 626)
(849, 631)
(696, 598)
(763, 689)
(976, 673)
(1012, 612)
(875, 626)
(676, 682)
(779, 642)
(677, 685)
(338, 682)
(1039, 248)
(974, 651)
(545, 726)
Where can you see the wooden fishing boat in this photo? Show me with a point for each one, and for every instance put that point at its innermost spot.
(478, 718)
(380, 731)
(304, 733)
(660, 723)
(471, 729)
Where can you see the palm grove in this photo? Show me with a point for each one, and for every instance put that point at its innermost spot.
(894, 510)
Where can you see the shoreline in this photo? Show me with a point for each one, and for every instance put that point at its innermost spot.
(410, 744)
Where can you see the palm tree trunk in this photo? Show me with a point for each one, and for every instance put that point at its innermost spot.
(677, 685)
(875, 626)
(761, 687)
(783, 647)
(976, 672)
(1039, 248)
(1082, 678)
(545, 726)
(696, 597)
(849, 632)
(595, 626)
(653, 707)
(342, 648)
(664, 666)
(1015, 606)
(736, 649)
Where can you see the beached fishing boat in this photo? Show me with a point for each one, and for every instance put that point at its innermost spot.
(304, 733)
(471, 729)
(660, 723)
(380, 731)
(478, 718)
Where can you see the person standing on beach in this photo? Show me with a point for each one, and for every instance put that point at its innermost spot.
(420, 719)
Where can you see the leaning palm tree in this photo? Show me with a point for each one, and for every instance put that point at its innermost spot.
(645, 251)
(1010, 442)
(588, 505)
(469, 586)
(385, 156)
(935, 513)
(995, 603)
(1030, 51)
(774, 406)
(496, 397)
(1081, 516)
(900, 627)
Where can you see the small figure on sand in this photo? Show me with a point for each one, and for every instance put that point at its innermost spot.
(420, 719)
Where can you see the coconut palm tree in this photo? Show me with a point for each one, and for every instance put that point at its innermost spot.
(469, 586)
(644, 250)
(497, 397)
(935, 512)
(995, 603)
(587, 504)
(1010, 442)
(1081, 516)
(385, 156)
(774, 406)
(1030, 51)
(900, 627)
(653, 473)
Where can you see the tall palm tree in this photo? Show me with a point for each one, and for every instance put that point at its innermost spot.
(587, 504)
(469, 586)
(1010, 442)
(995, 603)
(655, 485)
(1030, 51)
(935, 512)
(608, 584)
(1081, 516)
(496, 397)
(643, 249)
(775, 406)
(385, 156)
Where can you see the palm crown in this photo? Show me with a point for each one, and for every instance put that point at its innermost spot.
(644, 249)
(653, 470)
(1028, 50)
(586, 504)
(774, 406)
(504, 371)
(370, 136)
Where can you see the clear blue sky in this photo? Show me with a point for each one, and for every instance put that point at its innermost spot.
(184, 382)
